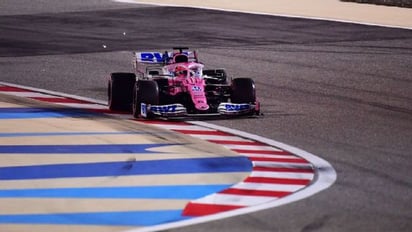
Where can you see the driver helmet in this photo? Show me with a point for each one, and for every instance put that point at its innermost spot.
(180, 70)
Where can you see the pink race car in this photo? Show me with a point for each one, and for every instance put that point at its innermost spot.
(174, 84)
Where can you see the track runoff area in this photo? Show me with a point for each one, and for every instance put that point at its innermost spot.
(53, 151)
(328, 10)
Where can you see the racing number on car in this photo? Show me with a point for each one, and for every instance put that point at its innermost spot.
(196, 88)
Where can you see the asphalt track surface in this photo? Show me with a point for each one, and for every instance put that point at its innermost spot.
(340, 91)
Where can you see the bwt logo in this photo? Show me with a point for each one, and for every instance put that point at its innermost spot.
(157, 57)
(152, 57)
(236, 107)
(164, 109)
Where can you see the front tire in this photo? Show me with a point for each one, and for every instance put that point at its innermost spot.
(120, 91)
(243, 91)
(145, 91)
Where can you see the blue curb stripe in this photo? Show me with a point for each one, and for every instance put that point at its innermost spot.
(80, 149)
(24, 113)
(132, 218)
(36, 134)
(138, 192)
(147, 167)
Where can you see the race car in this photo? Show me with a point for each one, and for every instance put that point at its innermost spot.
(175, 84)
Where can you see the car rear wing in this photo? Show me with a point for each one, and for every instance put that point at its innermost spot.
(150, 57)
(144, 62)
(163, 57)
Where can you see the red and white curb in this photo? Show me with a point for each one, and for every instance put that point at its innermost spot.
(280, 173)
(52, 97)
(276, 173)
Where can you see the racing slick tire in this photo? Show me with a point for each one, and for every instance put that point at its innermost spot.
(120, 91)
(243, 90)
(145, 91)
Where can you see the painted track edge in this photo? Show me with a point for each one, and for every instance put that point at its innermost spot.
(324, 178)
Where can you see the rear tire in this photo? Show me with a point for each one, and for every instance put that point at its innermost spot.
(120, 91)
(243, 91)
(145, 91)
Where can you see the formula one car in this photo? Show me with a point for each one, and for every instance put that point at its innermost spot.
(174, 84)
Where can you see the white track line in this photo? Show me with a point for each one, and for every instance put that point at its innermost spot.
(54, 93)
(29, 94)
(251, 148)
(233, 200)
(287, 175)
(221, 138)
